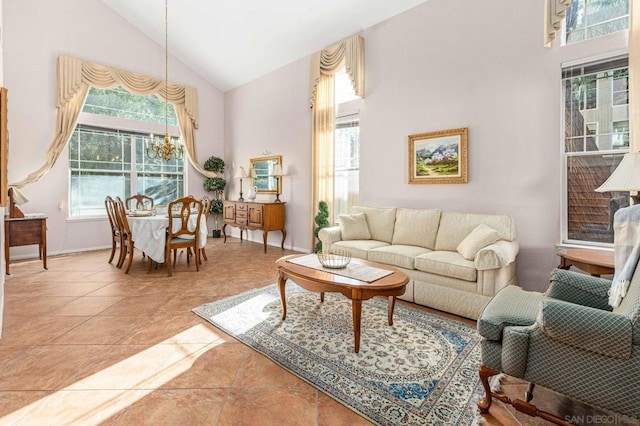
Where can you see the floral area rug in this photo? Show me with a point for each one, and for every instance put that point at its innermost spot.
(420, 371)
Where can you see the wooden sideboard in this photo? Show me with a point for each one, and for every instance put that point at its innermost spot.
(23, 231)
(255, 215)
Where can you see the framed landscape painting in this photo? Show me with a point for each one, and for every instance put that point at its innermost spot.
(438, 157)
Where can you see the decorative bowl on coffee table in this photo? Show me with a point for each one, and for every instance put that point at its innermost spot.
(334, 260)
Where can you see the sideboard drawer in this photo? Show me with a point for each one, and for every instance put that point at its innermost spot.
(241, 214)
(241, 207)
(241, 221)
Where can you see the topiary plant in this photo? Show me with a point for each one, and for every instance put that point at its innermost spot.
(215, 185)
(216, 209)
(322, 220)
(214, 164)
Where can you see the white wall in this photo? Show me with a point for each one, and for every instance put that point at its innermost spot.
(444, 64)
(271, 114)
(36, 32)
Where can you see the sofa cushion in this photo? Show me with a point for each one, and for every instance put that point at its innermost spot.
(454, 227)
(357, 248)
(380, 220)
(478, 239)
(397, 255)
(447, 263)
(354, 226)
(416, 228)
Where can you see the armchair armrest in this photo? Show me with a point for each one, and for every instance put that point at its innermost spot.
(580, 289)
(496, 255)
(330, 235)
(587, 328)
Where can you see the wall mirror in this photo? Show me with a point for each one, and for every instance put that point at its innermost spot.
(261, 169)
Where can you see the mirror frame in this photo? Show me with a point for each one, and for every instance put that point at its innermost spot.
(275, 159)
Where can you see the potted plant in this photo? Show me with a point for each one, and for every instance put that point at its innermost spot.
(216, 210)
(215, 185)
(322, 220)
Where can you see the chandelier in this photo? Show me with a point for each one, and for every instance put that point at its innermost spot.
(169, 148)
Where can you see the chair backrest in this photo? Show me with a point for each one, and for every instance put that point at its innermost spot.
(206, 205)
(187, 211)
(121, 217)
(142, 202)
(110, 205)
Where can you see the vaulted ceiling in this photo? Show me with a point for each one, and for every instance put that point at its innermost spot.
(232, 42)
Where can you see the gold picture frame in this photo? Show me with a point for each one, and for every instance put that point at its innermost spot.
(438, 157)
(260, 174)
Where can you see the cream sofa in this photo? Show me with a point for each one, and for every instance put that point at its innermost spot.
(430, 247)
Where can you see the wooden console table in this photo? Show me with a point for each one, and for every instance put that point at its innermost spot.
(595, 262)
(23, 231)
(255, 215)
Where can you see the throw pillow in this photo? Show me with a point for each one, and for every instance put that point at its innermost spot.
(354, 227)
(478, 239)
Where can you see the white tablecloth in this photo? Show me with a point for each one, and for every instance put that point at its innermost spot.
(149, 233)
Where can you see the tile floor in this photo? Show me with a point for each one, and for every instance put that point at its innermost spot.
(85, 344)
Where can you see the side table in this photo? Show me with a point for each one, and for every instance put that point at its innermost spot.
(593, 261)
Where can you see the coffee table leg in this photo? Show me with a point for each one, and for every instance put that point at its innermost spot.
(281, 283)
(390, 307)
(321, 296)
(356, 306)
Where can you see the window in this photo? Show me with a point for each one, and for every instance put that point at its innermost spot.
(107, 152)
(587, 19)
(595, 141)
(347, 147)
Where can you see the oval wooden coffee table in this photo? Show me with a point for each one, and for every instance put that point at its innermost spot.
(311, 279)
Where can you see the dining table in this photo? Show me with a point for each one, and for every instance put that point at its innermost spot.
(149, 233)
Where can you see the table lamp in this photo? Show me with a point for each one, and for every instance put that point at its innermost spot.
(16, 198)
(241, 174)
(277, 173)
(626, 177)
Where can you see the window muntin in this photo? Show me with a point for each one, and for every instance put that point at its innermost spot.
(346, 164)
(108, 160)
(595, 141)
(587, 19)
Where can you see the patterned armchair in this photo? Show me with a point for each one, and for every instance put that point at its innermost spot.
(568, 340)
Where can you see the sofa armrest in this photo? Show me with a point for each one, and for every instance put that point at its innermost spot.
(329, 235)
(580, 289)
(496, 255)
(586, 328)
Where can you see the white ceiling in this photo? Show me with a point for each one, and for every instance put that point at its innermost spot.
(232, 42)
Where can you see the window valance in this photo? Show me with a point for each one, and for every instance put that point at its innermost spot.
(75, 76)
(554, 11)
(350, 53)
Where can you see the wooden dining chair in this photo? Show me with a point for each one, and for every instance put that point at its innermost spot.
(126, 245)
(116, 234)
(187, 212)
(206, 206)
(142, 202)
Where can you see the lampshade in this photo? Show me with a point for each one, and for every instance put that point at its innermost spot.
(277, 170)
(626, 177)
(18, 197)
(241, 173)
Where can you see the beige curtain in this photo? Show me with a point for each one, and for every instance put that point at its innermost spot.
(634, 75)
(74, 79)
(323, 128)
(554, 11)
(349, 53)
(324, 65)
